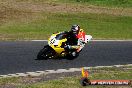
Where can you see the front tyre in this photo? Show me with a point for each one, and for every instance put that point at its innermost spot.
(45, 53)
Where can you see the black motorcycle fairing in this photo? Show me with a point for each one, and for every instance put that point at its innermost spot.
(46, 53)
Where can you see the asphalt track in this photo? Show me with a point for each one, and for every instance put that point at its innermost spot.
(17, 57)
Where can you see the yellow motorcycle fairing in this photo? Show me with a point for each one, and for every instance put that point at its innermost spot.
(56, 44)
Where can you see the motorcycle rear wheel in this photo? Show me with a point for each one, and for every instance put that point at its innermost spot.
(71, 56)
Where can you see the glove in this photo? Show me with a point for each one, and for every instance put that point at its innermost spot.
(81, 42)
(67, 47)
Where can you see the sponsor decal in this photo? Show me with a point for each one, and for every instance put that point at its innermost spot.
(85, 81)
(109, 82)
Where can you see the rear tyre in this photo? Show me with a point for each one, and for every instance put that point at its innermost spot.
(72, 55)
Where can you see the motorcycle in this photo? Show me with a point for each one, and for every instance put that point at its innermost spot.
(57, 47)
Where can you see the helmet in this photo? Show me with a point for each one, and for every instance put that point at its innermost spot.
(75, 29)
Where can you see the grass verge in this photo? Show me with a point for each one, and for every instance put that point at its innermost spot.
(70, 80)
(100, 26)
(37, 19)
(110, 3)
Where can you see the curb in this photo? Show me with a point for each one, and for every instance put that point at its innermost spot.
(38, 73)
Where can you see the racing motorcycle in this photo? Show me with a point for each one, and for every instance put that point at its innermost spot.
(57, 47)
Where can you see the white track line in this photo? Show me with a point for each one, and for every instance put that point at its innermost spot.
(39, 40)
(98, 40)
(38, 73)
(113, 40)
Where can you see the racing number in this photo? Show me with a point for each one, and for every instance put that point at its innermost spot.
(52, 41)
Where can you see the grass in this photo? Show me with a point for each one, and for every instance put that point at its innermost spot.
(73, 81)
(17, 22)
(8, 81)
(70, 82)
(106, 3)
(100, 26)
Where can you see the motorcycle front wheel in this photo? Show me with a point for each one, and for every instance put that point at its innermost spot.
(45, 53)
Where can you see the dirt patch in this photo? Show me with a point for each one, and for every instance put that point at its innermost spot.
(10, 13)
(69, 8)
(25, 11)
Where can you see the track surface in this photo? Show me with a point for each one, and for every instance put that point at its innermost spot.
(17, 57)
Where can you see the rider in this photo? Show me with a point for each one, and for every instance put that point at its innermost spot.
(75, 37)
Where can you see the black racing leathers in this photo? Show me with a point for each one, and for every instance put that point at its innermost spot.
(71, 41)
(71, 38)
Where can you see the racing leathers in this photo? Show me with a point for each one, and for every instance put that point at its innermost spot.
(75, 41)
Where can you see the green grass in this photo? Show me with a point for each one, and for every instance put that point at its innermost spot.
(22, 23)
(4, 81)
(106, 3)
(100, 26)
(71, 81)
(110, 3)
